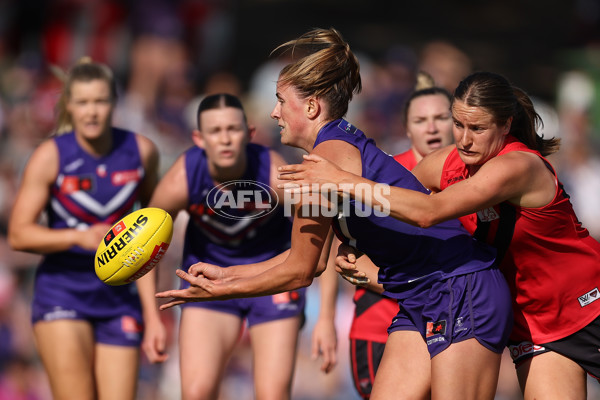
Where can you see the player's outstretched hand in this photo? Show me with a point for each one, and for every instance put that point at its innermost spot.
(314, 170)
(202, 287)
(210, 271)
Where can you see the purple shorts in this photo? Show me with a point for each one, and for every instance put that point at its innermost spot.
(122, 330)
(257, 310)
(476, 305)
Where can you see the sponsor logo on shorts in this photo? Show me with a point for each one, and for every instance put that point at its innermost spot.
(525, 349)
(589, 297)
(59, 313)
(130, 325)
(286, 300)
(436, 328)
(459, 325)
(365, 384)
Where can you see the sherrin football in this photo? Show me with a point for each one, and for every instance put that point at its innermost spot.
(133, 246)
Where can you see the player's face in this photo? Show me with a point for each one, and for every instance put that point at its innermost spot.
(224, 136)
(289, 113)
(429, 123)
(478, 138)
(90, 106)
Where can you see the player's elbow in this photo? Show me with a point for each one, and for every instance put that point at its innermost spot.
(15, 240)
(426, 217)
(321, 266)
(426, 220)
(304, 279)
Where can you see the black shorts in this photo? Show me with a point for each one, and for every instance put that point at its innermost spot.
(583, 347)
(365, 356)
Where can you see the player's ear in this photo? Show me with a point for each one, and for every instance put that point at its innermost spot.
(313, 107)
(197, 138)
(507, 126)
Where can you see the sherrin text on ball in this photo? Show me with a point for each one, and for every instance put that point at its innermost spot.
(133, 246)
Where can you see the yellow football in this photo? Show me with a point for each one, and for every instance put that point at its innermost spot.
(133, 246)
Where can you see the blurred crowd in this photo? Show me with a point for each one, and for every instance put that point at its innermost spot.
(166, 56)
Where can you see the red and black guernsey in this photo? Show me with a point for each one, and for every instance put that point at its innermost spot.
(549, 259)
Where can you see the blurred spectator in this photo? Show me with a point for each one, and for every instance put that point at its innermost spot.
(445, 62)
(578, 160)
(261, 100)
(387, 83)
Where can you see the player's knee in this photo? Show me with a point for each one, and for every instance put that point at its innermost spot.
(273, 392)
(199, 391)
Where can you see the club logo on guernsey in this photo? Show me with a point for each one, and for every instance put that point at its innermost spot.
(589, 297)
(118, 245)
(242, 199)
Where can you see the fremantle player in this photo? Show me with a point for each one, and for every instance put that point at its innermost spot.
(86, 178)
(224, 183)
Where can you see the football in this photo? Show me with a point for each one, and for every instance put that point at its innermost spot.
(133, 246)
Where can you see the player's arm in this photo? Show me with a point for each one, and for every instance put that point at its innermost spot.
(511, 177)
(150, 160)
(309, 235)
(297, 270)
(172, 192)
(277, 161)
(248, 270)
(25, 233)
(324, 335)
(429, 170)
(346, 158)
